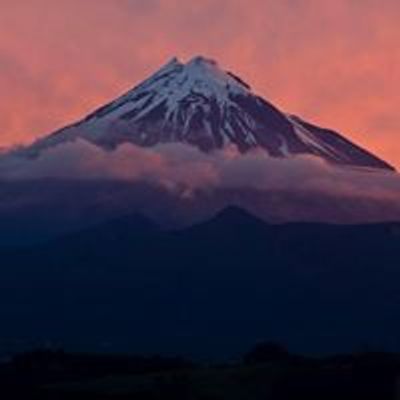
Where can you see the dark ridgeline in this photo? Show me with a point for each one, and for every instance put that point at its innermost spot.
(38, 210)
(207, 291)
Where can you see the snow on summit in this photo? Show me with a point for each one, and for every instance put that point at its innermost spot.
(200, 104)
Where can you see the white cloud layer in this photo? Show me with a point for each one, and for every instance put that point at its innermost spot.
(182, 166)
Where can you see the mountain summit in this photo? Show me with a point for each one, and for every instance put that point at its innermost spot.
(200, 104)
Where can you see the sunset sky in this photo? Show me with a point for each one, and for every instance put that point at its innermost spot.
(335, 63)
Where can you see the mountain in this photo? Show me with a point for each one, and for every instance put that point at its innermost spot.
(204, 107)
(199, 104)
(212, 290)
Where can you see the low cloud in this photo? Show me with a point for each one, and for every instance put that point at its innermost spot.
(183, 167)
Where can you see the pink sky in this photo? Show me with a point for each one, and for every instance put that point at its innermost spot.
(336, 63)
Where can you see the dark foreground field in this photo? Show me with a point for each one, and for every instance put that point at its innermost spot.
(267, 373)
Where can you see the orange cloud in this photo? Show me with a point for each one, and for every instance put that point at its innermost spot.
(335, 63)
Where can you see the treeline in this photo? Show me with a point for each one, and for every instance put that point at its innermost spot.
(56, 365)
(268, 368)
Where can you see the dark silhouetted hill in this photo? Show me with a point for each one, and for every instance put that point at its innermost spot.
(209, 290)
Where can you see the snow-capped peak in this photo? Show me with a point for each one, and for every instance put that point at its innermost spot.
(201, 69)
(200, 104)
(176, 81)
